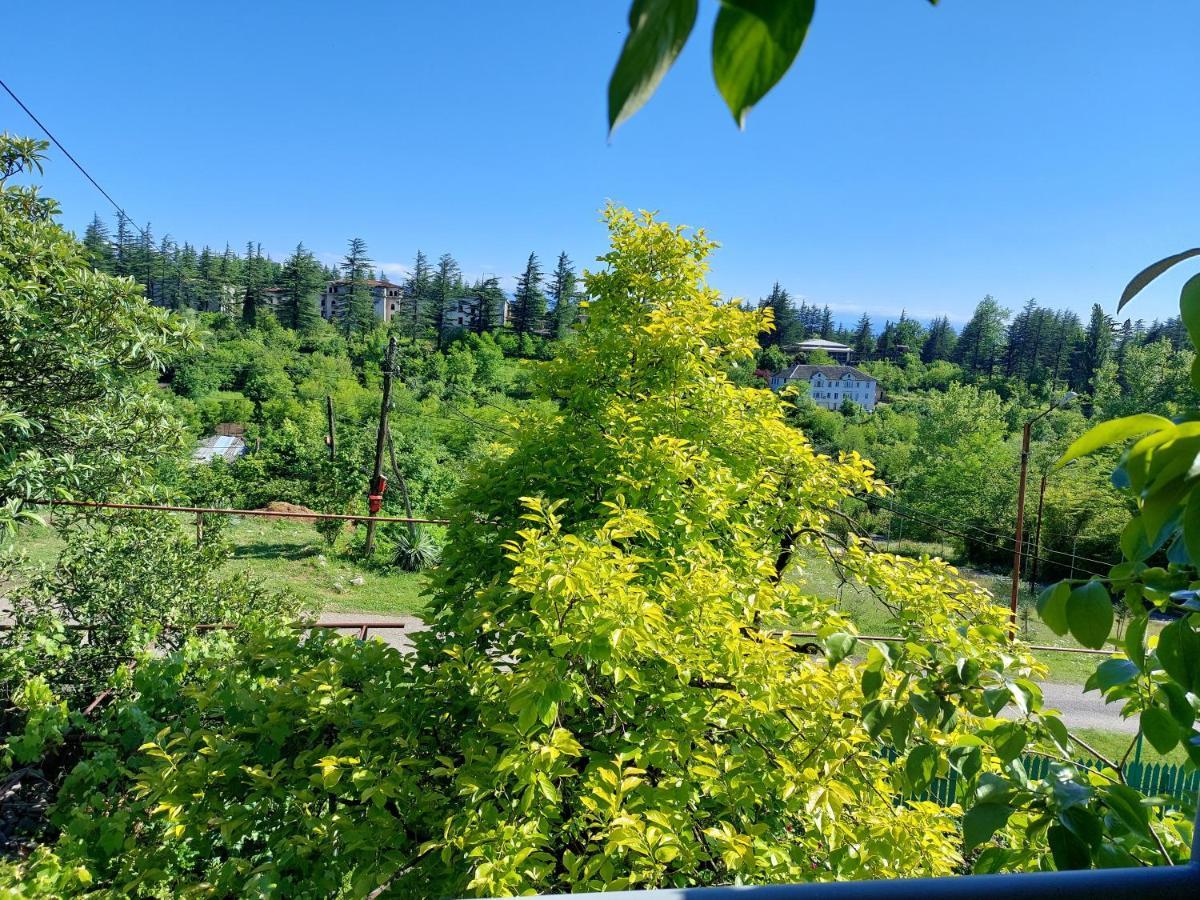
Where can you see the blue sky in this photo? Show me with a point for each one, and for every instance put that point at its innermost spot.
(914, 157)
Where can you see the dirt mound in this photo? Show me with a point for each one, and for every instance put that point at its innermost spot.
(279, 506)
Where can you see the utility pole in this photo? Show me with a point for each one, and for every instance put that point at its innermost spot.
(332, 436)
(1016, 573)
(375, 497)
(1037, 536)
(1062, 401)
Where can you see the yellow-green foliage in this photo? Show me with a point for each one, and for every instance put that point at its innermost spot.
(604, 699)
(621, 712)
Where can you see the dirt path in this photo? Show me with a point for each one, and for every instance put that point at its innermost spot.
(397, 635)
(1080, 710)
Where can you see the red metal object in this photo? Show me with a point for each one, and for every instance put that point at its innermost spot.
(374, 503)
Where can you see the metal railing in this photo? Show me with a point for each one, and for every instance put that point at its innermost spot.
(1149, 883)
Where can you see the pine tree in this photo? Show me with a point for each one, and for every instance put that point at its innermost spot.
(97, 242)
(529, 301)
(788, 328)
(489, 304)
(864, 339)
(301, 280)
(908, 334)
(939, 343)
(358, 306)
(981, 343)
(826, 328)
(418, 291)
(447, 287)
(564, 309)
(1096, 350)
(252, 291)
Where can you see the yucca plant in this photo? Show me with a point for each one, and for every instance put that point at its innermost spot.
(416, 550)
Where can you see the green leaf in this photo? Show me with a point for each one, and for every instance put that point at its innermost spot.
(1160, 729)
(1068, 850)
(1010, 740)
(1179, 654)
(1178, 704)
(1109, 674)
(1058, 731)
(1052, 606)
(1148, 274)
(1160, 510)
(921, 766)
(1135, 640)
(838, 646)
(1083, 823)
(901, 727)
(1126, 803)
(1191, 527)
(876, 716)
(967, 761)
(754, 44)
(1090, 614)
(872, 680)
(1189, 308)
(1113, 432)
(658, 29)
(982, 821)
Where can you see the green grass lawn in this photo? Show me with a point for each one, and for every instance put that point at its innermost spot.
(1113, 745)
(288, 554)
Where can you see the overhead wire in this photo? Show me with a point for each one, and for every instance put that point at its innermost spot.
(943, 529)
(997, 536)
(67, 153)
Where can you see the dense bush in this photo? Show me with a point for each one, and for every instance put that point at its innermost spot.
(121, 586)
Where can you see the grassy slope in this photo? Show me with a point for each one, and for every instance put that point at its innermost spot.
(291, 555)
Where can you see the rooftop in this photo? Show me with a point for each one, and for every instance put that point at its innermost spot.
(223, 445)
(805, 373)
(822, 344)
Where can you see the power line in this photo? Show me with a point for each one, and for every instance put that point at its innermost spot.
(959, 534)
(67, 153)
(998, 538)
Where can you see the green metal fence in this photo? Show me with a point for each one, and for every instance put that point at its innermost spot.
(1152, 779)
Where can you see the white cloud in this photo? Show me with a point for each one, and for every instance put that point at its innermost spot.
(394, 269)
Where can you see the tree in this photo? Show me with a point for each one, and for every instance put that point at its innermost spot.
(252, 291)
(98, 244)
(939, 342)
(301, 280)
(529, 300)
(981, 343)
(563, 297)
(357, 305)
(864, 340)
(787, 327)
(418, 293)
(447, 286)
(1097, 349)
(489, 303)
(78, 412)
(602, 676)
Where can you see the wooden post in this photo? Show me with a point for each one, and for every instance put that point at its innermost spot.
(1037, 538)
(1017, 540)
(332, 435)
(199, 528)
(412, 526)
(381, 438)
